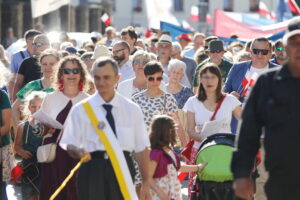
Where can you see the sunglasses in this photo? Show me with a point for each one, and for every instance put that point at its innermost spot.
(69, 71)
(279, 48)
(215, 51)
(151, 79)
(142, 62)
(38, 44)
(262, 51)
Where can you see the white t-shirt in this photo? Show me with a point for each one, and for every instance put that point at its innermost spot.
(202, 114)
(259, 71)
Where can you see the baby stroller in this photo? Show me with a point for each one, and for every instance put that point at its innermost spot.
(214, 182)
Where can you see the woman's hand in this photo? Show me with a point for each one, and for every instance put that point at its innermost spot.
(48, 130)
(26, 154)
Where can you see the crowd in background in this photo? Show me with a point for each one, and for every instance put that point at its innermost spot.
(184, 79)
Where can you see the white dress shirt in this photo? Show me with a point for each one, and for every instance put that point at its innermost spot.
(129, 123)
(126, 71)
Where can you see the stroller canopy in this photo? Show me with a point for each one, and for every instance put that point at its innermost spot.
(216, 150)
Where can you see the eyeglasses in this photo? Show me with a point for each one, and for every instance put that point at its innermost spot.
(279, 48)
(262, 51)
(117, 51)
(206, 78)
(215, 51)
(142, 62)
(151, 79)
(69, 71)
(38, 44)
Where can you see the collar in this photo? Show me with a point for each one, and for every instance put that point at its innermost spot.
(283, 73)
(98, 101)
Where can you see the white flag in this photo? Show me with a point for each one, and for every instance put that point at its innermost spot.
(42, 7)
(160, 10)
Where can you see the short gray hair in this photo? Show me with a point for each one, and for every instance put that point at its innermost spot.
(176, 63)
(141, 53)
(176, 47)
(102, 61)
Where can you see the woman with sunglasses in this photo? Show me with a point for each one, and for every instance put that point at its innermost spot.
(47, 60)
(130, 87)
(202, 107)
(154, 101)
(70, 80)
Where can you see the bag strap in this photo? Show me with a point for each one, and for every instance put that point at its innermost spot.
(217, 108)
(22, 55)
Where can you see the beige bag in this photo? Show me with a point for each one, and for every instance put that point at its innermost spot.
(46, 153)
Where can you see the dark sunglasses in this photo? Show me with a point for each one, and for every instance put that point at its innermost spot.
(279, 48)
(69, 71)
(152, 79)
(38, 44)
(262, 51)
(215, 51)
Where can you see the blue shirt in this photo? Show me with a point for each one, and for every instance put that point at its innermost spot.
(17, 59)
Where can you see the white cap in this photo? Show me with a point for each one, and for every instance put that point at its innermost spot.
(95, 35)
(101, 51)
(165, 39)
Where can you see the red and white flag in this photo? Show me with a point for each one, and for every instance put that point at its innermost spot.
(194, 14)
(263, 10)
(250, 85)
(105, 19)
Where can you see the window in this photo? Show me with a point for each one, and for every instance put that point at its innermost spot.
(228, 5)
(137, 5)
(254, 5)
(178, 5)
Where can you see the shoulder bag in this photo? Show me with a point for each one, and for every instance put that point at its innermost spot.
(46, 153)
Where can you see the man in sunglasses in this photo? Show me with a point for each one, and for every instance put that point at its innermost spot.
(241, 74)
(30, 69)
(274, 104)
(215, 53)
(280, 53)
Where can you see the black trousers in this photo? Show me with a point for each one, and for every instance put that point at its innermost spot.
(96, 179)
(282, 187)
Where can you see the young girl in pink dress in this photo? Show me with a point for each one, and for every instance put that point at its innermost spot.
(164, 162)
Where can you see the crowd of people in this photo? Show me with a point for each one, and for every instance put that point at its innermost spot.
(131, 103)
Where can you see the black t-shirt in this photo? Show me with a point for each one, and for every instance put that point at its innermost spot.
(30, 69)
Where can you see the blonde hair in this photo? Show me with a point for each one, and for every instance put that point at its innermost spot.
(40, 95)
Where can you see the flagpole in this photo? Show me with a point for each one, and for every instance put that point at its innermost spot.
(69, 16)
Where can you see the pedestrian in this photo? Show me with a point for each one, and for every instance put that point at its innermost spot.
(209, 104)
(273, 106)
(164, 162)
(27, 140)
(70, 78)
(124, 134)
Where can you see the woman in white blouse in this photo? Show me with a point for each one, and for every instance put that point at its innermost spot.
(132, 86)
(71, 79)
(202, 106)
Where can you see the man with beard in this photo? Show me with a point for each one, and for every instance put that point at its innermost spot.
(280, 53)
(121, 52)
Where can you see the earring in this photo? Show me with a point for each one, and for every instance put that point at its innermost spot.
(60, 85)
(80, 87)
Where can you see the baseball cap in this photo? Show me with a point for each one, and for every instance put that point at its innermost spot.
(293, 29)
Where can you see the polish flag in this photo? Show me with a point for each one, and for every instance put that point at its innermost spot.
(194, 14)
(105, 19)
(208, 19)
(263, 10)
(250, 85)
(186, 25)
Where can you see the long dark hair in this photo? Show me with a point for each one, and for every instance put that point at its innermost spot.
(214, 69)
(162, 132)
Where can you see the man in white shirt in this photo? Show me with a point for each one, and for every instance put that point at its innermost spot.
(121, 52)
(97, 178)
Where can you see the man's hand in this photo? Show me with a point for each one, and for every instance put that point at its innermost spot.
(76, 153)
(237, 95)
(244, 188)
(145, 191)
